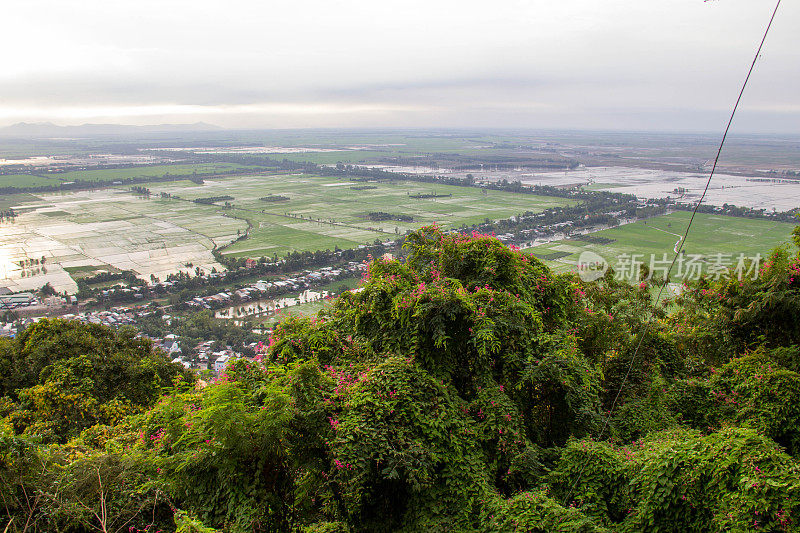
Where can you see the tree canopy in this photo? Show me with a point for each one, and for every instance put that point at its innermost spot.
(466, 388)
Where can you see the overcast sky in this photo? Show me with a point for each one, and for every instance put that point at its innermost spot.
(673, 65)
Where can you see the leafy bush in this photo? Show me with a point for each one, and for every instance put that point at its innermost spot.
(731, 480)
(66, 376)
(465, 389)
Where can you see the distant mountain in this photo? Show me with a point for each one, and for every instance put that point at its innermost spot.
(48, 129)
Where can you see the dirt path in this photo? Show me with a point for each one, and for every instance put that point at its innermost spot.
(677, 243)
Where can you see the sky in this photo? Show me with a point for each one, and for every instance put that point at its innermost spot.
(672, 65)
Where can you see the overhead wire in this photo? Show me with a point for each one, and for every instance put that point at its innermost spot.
(679, 249)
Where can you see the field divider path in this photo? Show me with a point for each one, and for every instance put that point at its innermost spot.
(377, 206)
(340, 224)
(74, 247)
(151, 217)
(258, 211)
(680, 237)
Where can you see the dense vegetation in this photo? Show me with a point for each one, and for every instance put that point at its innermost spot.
(467, 389)
(58, 378)
(212, 199)
(427, 196)
(382, 215)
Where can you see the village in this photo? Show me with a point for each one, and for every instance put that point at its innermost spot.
(261, 299)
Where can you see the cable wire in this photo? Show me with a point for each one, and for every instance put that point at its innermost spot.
(679, 249)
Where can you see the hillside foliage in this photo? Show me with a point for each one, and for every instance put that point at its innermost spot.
(468, 388)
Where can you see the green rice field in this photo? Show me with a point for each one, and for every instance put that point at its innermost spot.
(115, 174)
(304, 309)
(710, 235)
(26, 180)
(15, 200)
(322, 213)
(151, 171)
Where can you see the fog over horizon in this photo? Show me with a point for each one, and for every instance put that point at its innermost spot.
(576, 64)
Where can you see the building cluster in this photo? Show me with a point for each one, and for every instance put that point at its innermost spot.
(205, 356)
(14, 301)
(115, 317)
(202, 356)
(266, 289)
(136, 292)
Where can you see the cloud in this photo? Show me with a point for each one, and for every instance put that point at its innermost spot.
(353, 62)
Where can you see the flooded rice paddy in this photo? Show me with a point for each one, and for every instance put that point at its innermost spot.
(109, 229)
